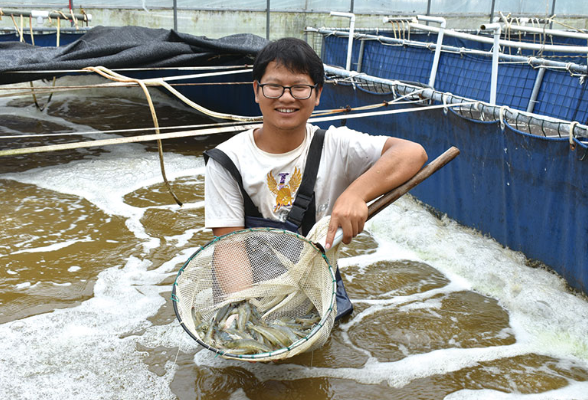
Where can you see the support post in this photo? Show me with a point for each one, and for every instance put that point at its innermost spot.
(497, 28)
(267, 21)
(443, 23)
(176, 15)
(351, 31)
(536, 87)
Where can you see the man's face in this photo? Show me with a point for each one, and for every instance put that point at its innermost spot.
(286, 112)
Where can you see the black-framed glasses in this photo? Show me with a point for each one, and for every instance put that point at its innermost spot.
(275, 91)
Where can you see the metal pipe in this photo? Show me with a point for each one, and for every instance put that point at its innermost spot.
(582, 69)
(46, 14)
(46, 29)
(398, 19)
(71, 11)
(443, 24)
(351, 29)
(507, 43)
(267, 21)
(497, 28)
(552, 32)
(536, 87)
(360, 58)
(176, 15)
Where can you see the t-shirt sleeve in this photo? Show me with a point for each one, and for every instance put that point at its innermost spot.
(358, 151)
(223, 198)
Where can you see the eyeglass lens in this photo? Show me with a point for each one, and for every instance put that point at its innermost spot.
(274, 91)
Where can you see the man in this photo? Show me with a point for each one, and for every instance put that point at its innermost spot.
(268, 188)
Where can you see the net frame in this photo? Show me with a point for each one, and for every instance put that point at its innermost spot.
(319, 330)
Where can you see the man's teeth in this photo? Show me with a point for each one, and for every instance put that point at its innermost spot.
(286, 110)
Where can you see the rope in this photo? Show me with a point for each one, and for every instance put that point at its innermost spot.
(31, 29)
(16, 27)
(501, 113)
(111, 75)
(201, 132)
(444, 98)
(58, 39)
(571, 135)
(75, 21)
(115, 131)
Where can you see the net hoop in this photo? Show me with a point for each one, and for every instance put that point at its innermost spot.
(327, 316)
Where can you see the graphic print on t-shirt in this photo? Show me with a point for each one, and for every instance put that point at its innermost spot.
(284, 192)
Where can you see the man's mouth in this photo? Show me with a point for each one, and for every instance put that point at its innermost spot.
(286, 110)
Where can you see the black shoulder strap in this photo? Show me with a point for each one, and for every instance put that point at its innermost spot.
(304, 202)
(220, 157)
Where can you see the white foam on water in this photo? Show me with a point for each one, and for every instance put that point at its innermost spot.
(542, 312)
(52, 247)
(545, 318)
(104, 180)
(90, 351)
(575, 390)
(239, 394)
(396, 374)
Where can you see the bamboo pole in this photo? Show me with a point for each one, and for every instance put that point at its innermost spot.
(132, 139)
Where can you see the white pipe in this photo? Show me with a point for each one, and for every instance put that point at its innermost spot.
(399, 19)
(443, 25)
(46, 14)
(497, 28)
(351, 29)
(439, 20)
(507, 43)
(404, 87)
(552, 32)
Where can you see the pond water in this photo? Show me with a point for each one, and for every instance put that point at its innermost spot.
(91, 243)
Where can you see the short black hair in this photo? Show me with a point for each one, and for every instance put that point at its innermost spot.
(294, 54)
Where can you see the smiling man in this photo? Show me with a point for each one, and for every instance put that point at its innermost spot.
(289, 174)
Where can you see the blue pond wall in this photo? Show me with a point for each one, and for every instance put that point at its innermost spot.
(562, 94)
(530, 193)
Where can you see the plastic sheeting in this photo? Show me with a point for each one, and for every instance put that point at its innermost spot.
(126, 47)
(530, 193)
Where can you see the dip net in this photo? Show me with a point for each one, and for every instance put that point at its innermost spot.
(259, 294)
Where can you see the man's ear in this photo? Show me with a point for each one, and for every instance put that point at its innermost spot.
(318, 91)
(255, 90)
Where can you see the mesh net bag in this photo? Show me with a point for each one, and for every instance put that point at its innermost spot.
(259, 294)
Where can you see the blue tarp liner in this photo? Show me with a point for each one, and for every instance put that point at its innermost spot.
(470, 76)
(530, 193)
(43, 39)
(561, 95)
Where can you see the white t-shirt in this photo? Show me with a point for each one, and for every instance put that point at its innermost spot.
(272, 180)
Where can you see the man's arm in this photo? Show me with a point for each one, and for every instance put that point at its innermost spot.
(400, 160)
(225, 230)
